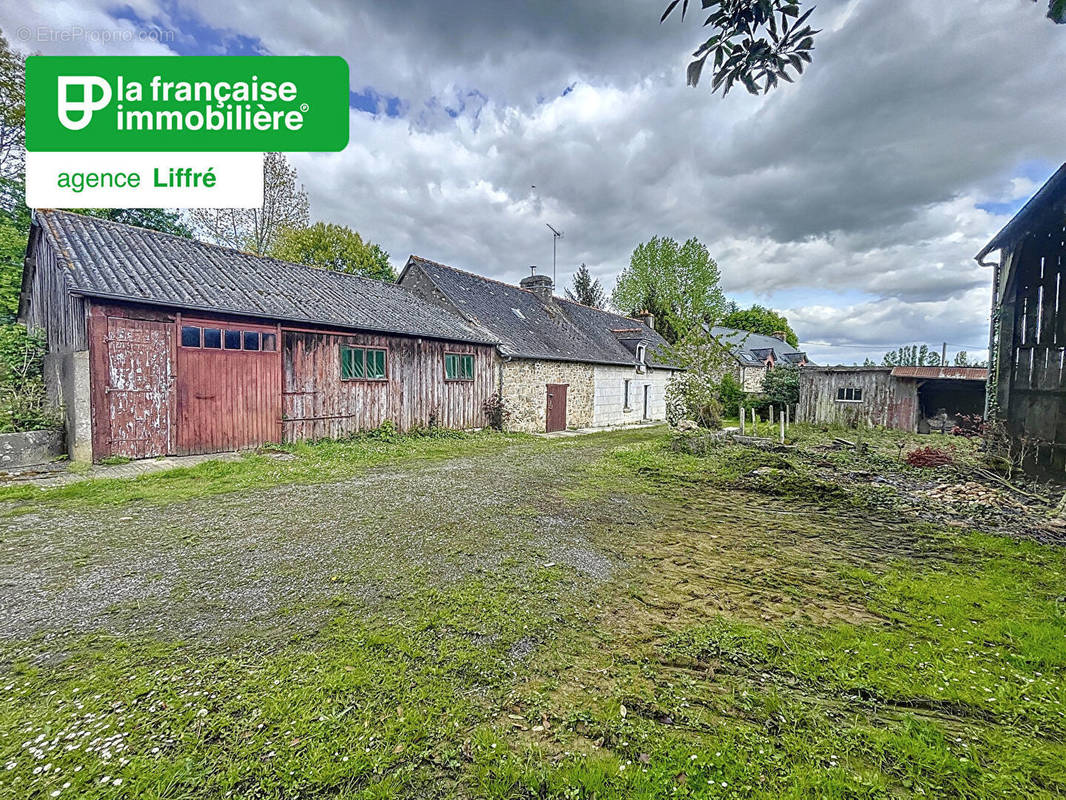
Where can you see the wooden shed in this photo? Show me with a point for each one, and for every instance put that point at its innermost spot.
(916, 399)
(158, 344)
(1027, 339)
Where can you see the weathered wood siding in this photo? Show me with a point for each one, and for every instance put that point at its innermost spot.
(886, 401)
(46, 304)
(1030, 369)
(317, 404)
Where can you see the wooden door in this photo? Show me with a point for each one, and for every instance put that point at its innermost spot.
(139, 377)
(556, 411)
(228, 387)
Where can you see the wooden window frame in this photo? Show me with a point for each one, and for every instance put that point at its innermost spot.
(460, 379)
(242, 330)
(842, 392)
(383, 378)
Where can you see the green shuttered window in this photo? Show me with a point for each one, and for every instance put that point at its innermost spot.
(362, 363)
(458, 367)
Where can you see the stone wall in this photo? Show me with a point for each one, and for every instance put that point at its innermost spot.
(525, 393)
(751, 378)
(19, 450)
(66, 375)
(611, 407)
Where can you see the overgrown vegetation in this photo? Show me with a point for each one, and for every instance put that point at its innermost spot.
(24, 404)
(604, 618)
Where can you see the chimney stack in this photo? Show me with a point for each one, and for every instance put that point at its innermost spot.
(779, 335)
(645, 317)
(540, 285)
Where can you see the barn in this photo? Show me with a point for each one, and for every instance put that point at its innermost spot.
(159, 344)
(1027, 341)
(914, 399)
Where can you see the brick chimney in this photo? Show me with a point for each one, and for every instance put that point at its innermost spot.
(646, 317)
(540, 285)
(779, 335)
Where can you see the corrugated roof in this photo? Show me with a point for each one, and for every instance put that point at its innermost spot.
(107, 259)
(753, 348)
(1051, 197)
(942, 373)
(528, 327)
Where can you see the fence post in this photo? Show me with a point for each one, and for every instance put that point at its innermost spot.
(782, 429)
(742, 420)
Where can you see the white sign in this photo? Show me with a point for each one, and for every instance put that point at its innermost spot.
(143, 180)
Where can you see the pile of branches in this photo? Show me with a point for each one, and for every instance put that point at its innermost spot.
(929, 456)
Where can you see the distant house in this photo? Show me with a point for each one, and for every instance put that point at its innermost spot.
(1027, 341)
(562, 364)
(915, 399)
(158, 344)
(752, 354)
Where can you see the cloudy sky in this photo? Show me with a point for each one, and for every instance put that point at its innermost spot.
(853, 201)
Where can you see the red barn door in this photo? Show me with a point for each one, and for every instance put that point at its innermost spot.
(138, 386)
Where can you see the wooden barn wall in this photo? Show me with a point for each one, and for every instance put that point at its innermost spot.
(886, 401)
(317, 404)
(49, 307)
(1032, 348)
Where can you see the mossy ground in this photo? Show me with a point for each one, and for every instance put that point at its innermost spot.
(489, 616)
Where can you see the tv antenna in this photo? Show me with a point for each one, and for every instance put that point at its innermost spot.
(556, 236)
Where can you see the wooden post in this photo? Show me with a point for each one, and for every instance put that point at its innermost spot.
(754, 424)
(742, 420)
(782, 429)
(787, 418)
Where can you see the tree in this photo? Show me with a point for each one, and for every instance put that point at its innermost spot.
(331, 246)
(753, 42)
(912, 356)
(157, 219)
(285, 205)
(12, 122)
(678, 283)
(780, 386)
(757, 42)
(586, 289)
(759, 319)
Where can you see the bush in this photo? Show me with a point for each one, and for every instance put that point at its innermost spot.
(929, 456)
(695, 397)
(24, 402)
(496, 412)
(781, 386)
(730, 394)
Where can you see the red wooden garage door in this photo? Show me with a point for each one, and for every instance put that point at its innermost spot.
(138, 386)
(229, 386)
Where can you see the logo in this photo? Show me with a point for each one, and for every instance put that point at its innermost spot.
(86, 105)
(207, 104)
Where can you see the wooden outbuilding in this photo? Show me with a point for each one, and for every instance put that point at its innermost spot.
(915, 399)
(159, 344)
(1027, 339)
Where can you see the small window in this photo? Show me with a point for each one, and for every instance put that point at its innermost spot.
(458, 367)
(233, 340)
(270, 342)
(190, 336)
(640, 353)
(353, 361)
(849, 394)
(251, 340)
(213, 338)
(625, 402)
(375, 365)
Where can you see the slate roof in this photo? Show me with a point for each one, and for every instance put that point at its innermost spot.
(105, 259)
(752, 349)
(528, 327)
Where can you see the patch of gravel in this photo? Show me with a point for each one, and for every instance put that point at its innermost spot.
(269, 563)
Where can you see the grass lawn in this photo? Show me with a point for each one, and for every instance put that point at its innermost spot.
(502, 616)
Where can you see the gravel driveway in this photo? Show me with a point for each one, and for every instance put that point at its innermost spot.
(269, 562)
